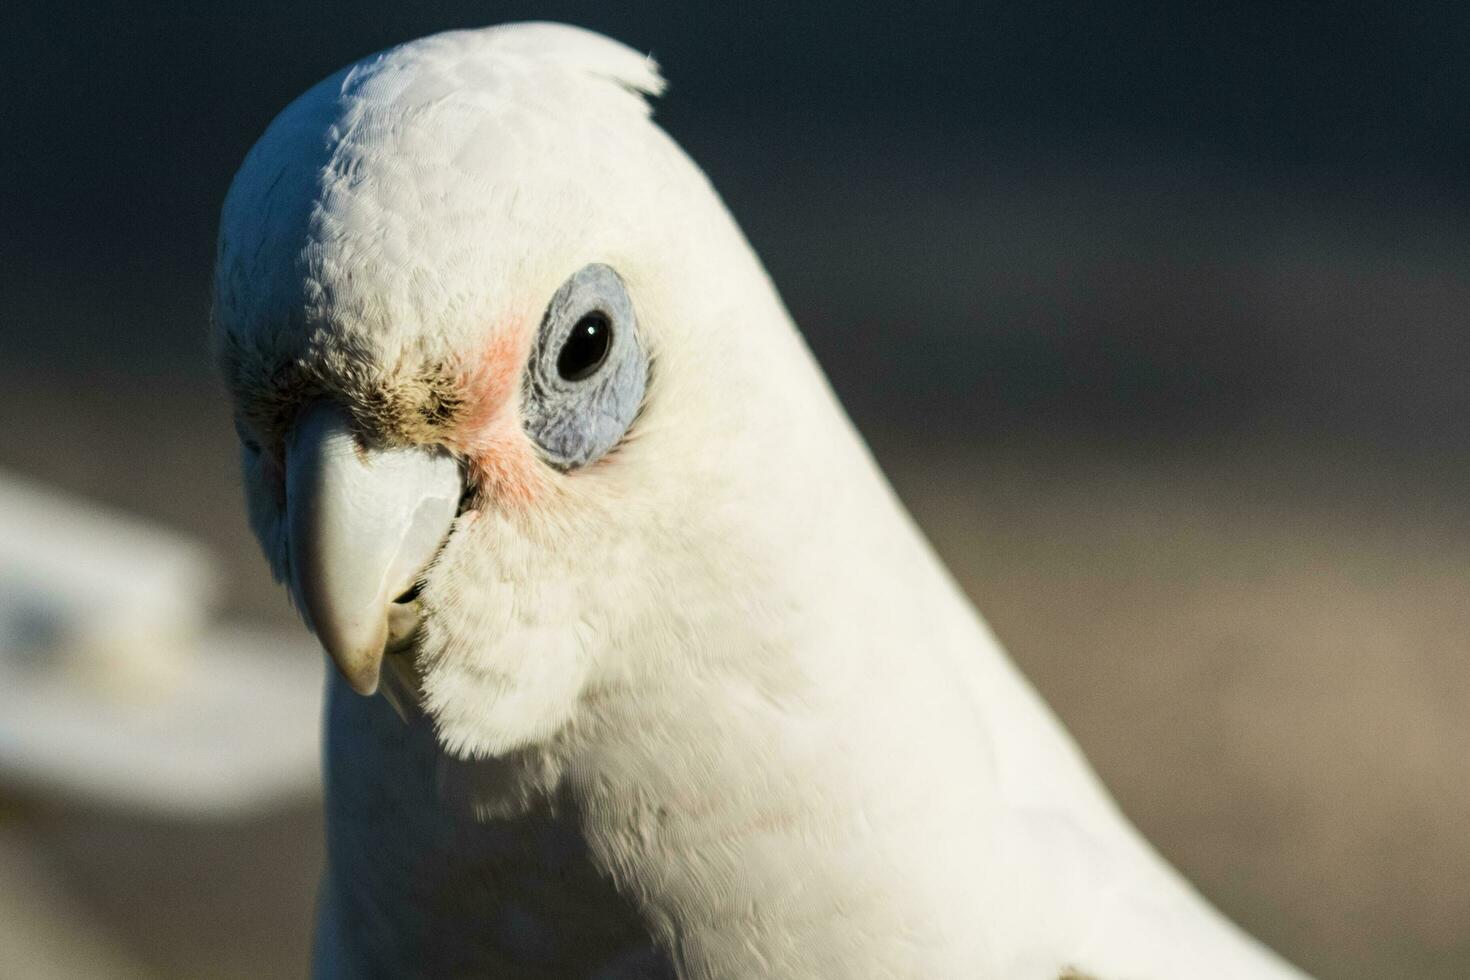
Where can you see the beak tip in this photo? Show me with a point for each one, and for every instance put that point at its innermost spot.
(364, 680)
(359, 659)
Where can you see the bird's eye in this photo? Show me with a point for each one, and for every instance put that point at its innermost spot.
(585, 381)
(585, 348)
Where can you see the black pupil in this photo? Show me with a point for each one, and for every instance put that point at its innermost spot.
(585, 348)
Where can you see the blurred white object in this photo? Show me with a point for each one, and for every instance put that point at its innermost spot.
(108, 597)
(114, 688)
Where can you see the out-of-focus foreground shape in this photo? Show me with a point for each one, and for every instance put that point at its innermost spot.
(115, 688)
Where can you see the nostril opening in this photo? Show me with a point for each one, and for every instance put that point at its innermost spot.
(410, 594)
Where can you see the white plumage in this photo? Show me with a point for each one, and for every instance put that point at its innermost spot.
(708, 706)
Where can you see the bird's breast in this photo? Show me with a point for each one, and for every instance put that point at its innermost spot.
(419, 884)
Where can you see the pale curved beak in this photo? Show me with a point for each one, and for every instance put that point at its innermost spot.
(362, 525)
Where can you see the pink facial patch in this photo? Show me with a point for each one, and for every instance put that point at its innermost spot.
(489, 434)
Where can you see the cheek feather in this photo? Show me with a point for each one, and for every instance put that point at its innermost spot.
(492, 382)
(502, 461)
(489, 434)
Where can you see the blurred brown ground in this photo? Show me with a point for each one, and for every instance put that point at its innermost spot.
(1261, 649)
(1264, 655)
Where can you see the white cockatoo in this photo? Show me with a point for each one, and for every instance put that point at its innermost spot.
(680, 688)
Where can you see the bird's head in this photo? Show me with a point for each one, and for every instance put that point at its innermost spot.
(502, 368)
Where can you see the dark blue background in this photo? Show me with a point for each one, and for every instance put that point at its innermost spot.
(1130, 219)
